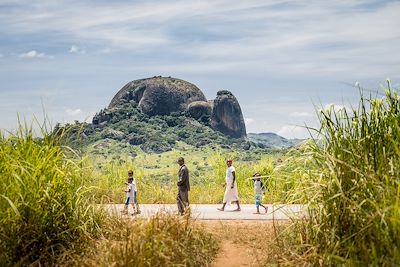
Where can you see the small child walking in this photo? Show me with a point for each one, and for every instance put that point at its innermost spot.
(131, 195)
(258, 191)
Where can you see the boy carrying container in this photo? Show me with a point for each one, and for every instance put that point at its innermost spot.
(131, 195)
(259, 190)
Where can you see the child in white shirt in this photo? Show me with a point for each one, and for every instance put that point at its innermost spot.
(131, 195)
(258, 191)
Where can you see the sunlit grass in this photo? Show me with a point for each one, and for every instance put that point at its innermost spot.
(156, 176)
(163, 240)
(352, 188)
(44, 204)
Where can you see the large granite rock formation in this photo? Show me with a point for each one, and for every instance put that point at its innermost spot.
(159, 95)
(199, 110)
(162, 96)
(227, 116)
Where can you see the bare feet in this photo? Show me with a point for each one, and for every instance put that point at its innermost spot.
(256, 212)
(238, 209)
(266, 210)
(220, 209)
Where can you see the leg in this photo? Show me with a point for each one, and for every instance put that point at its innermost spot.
(134, 208)
(182, 201)
(266, 208)
(238, 206)
(136, 204)
(223, 207)
(125, 211)
(179, 203)
(258, 200)
(185, 200)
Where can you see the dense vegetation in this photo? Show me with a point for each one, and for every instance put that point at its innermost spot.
(350, 178)
(44, 205)
(48, 214)
(127, 124)
(156, 174)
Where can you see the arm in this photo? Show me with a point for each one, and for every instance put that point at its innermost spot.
(128, 189)
(234, 178)
(183, 176)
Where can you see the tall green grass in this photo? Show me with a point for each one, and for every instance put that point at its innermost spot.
(158, 184)
(352, 187)
(44, 205)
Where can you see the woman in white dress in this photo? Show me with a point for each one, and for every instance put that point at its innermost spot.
(231, 192)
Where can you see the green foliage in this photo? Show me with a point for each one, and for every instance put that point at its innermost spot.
(159, 133)
(156, 174)
(352, 187)
(44, 205)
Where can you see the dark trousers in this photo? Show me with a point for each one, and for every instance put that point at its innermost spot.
(182, 200)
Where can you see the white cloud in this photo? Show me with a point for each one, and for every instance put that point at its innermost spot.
(292, 131)
(301, 114)
(266, 43)
(77, 50)
(73, 112)
(32, 54)
(248, 121)
(293, 38)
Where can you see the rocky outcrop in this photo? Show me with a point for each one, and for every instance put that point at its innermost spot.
(226, 116)
(136, 139)
(159, 95)
(102, 116)
(199, 110)
(166, 95)
(114, 134)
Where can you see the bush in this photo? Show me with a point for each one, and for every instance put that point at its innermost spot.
(44, 208)
(354, 197)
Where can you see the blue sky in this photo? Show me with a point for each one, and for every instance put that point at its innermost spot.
(279, 58)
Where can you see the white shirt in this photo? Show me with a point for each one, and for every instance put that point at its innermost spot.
(229, 175)
(131, 189)
(257, 187)
(134, 185)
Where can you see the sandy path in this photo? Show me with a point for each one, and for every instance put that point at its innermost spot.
(232, 255)
(242, 243)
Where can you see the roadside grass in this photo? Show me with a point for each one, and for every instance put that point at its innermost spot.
(350, 180)
(156, 175)
(49, 214)
(44, 205)
(163, 240)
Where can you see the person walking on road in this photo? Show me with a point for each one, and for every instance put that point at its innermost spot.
(259, 191)
(183, 187)
(231, 192)
(131, 195)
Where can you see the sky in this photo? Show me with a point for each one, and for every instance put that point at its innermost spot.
(283, 60)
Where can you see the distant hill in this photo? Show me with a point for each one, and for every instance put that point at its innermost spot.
(272, 140)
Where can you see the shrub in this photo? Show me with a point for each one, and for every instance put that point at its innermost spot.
(43, 206)
(354, 198)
